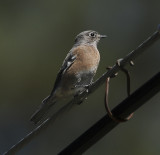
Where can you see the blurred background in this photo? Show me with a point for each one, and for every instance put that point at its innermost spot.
(35, 37)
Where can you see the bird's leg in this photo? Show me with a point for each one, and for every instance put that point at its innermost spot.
(86, 89)
(84, 85)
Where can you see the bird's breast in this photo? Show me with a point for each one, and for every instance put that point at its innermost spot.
(87, 59)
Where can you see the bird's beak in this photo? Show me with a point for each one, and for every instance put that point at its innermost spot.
(102, 36)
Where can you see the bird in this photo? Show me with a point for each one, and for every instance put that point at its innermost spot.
(77, 71)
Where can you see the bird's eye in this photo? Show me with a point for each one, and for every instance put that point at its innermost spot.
(92, 34)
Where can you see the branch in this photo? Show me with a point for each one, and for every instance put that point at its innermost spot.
(146, 44)
(106, 124)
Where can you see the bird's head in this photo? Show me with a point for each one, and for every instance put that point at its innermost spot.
(88, 37)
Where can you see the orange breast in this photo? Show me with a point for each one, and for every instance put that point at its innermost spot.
(88, 58)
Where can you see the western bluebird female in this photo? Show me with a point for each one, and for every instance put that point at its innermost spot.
(77, 71)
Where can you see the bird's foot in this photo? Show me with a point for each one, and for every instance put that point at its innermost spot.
(84, 86)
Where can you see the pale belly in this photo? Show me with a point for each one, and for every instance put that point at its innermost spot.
(75, 85)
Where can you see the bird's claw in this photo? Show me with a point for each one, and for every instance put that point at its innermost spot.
(83, 86)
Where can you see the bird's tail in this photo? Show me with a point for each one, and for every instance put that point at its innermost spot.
(42, 111)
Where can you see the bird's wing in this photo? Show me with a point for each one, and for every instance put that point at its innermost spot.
(38, 115)
(69, 60)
